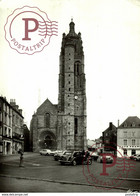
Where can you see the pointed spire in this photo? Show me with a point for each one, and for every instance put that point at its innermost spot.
(72, 26)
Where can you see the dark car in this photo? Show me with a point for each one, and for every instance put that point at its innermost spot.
(75, 157)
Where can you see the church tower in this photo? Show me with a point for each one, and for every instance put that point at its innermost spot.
(71, 127)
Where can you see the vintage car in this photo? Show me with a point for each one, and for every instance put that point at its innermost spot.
(75, 157)
(109, 159)
(58, 154)
(137, 157)
(93, 155)
(45, 152)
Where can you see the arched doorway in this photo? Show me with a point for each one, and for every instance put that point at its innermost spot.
(47, 140)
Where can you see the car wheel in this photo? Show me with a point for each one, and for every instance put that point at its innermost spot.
(74, 163)
(89, 162)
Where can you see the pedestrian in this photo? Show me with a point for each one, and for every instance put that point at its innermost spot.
(21, 158)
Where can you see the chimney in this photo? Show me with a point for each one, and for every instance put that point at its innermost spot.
(110, 125)
(118, 123)
(20, 111)
(12, 102)
(16, 107)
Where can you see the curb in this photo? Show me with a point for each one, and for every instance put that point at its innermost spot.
(128, 179)
(62, 182)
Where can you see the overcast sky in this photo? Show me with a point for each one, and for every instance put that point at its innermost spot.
(110, 31)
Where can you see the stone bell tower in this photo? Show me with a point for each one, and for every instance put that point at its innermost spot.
(71, 127)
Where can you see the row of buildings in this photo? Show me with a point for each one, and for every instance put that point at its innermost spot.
(14, 134)
(123, 140)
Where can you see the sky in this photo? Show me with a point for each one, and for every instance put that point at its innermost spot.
(110, 30)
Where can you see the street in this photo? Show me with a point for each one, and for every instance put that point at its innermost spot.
(43, 174)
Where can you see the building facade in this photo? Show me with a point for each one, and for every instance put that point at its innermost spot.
(11, 121)
(128, 137)
(64, 125)
(109, 137)
(43, 127)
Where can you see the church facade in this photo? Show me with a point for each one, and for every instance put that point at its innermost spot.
(63, 126)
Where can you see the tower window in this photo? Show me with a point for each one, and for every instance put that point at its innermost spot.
(77, 68)
(69, 75)
(68, 104)
(69, 67)
(69, 59)
(69, 82)
(69, 89)
(47, 120)
(76, 125)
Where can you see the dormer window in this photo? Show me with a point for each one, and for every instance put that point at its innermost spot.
(125, 124)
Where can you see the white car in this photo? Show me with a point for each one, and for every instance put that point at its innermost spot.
(137, 157)
(93, 155)
(58, 154)
(45, 152)
(109, 159)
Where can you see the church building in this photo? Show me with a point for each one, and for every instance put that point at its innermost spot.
(63, 126)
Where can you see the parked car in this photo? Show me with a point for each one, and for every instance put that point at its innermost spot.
(133, 156)
(75, 157)
(58, 154)
(45, 152)
(53, 152)
(94, 155)
(109, 159)
(137, 157)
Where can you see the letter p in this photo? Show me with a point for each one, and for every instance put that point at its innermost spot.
(27, 30)
(105, 165)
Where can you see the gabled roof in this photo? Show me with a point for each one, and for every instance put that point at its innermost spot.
(47, 106)
(131, 121)
(111, 128)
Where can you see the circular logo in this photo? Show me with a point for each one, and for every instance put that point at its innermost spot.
(107, 170)
(28, 30)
